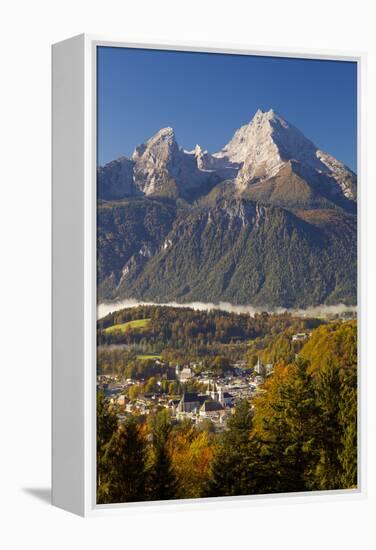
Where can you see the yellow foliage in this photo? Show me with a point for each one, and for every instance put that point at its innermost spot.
(262, 402)
(334, 343)
(191, 453)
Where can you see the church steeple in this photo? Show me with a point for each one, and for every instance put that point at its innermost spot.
(258, 365)
(221, 396)
(215, 392)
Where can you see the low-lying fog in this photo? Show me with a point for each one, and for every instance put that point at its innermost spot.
(323, 310)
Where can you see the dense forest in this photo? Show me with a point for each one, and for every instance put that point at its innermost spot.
(184, 326)
(299, 434)
(163, 250)
(181, 335)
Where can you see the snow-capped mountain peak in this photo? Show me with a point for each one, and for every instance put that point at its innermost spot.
(163, 143)
(264, 145)
(257, 152)
(154, 159)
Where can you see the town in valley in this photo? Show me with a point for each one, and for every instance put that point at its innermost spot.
(187, 390)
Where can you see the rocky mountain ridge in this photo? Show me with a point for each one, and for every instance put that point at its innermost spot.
(269, 220)
(258, 152)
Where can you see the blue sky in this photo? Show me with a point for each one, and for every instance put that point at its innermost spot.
(206, 97)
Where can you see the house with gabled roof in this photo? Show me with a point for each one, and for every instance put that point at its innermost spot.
(211, 408)
(190, 402)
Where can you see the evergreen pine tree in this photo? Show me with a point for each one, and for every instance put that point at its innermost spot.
(124, 466)
(163, 481)
(288, 437)
(328, 442)
(231, 473)
(106, 426)
(348, 412)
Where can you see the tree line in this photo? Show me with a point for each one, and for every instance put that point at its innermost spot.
(182, 327)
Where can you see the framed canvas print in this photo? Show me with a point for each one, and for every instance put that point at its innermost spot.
(206, 283)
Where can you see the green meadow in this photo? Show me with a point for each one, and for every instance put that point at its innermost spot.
(138, 324)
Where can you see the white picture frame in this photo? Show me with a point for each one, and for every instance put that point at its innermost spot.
(74, 276)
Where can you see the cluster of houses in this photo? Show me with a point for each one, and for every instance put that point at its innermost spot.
(215, 403)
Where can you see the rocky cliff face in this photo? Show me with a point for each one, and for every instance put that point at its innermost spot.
(268, 220)
(115, 179)
(258, 152)
(269, 143)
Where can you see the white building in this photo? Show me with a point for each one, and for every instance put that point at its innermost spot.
(185, 374)
(300, 336)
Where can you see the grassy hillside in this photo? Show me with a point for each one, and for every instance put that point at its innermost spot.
(138, 324)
